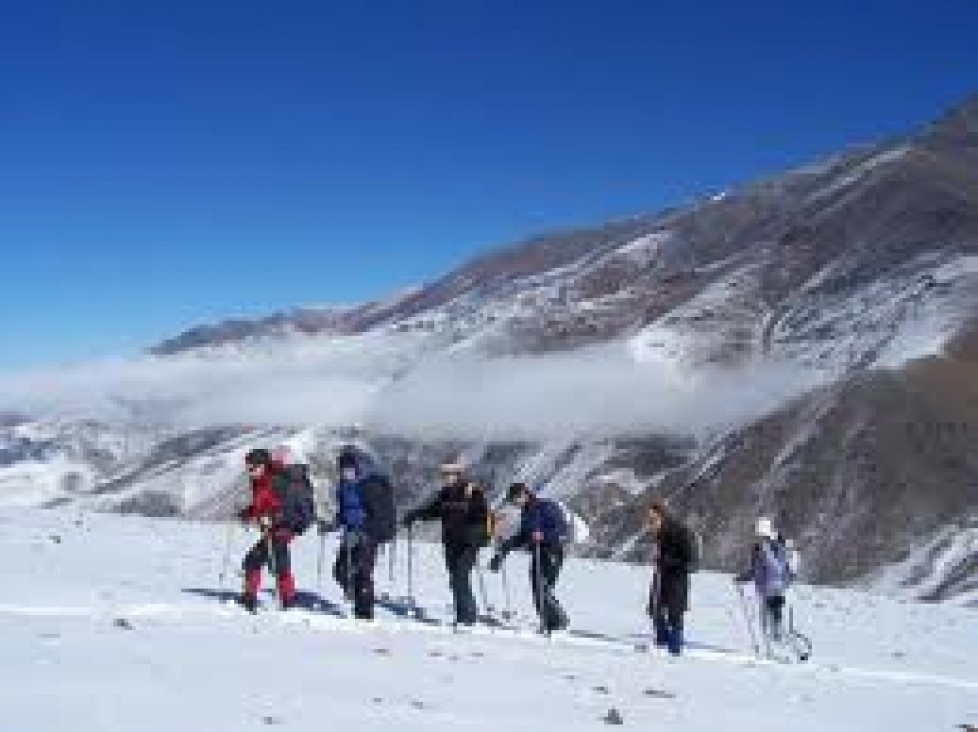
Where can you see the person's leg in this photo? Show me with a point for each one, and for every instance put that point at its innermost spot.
(674, 622)
(365, 561)
(466, 607)
(252, 565)
(774, 607)
(341, 569)
(283, 566)
(552, 560)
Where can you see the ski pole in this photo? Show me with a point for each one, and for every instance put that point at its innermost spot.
(226, 560)
(350, 591)
(541, 600)
(391, 561)
(747, 619)
(320, 563)
(410, 569)
(508, 612)
(480, 575)
(272, 568)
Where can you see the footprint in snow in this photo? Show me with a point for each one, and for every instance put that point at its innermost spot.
(269, 720)
(602, 690)
(613, 717)
(122, 623)
(659, 693)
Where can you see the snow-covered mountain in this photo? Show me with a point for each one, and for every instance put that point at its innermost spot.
(804, 346)
(116, 623)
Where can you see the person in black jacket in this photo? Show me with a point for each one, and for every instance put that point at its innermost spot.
(669, 593)
(543, 530)
(461, 505)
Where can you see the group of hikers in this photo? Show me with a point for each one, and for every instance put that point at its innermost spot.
(283, 507)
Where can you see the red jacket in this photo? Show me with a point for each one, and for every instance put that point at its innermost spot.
(264, 500)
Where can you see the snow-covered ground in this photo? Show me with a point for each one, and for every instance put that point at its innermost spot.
(114, 623)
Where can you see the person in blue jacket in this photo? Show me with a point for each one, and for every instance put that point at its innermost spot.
(543, 531)
(366, 515)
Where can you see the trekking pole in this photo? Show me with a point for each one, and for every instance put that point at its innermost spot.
(747, 619)
(508, 612)
(391, 562)
(226, 561)
(541, 600)
(272, 568)
(484, 596)
(320, 563)
(349, 589)
(410, 570)
(801, 643)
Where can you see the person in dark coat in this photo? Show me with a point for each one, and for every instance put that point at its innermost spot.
(544, 531)
(365, 514)
(266, 510)
(461, 506)
(669, 593)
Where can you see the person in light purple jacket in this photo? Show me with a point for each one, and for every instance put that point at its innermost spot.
(770, 571)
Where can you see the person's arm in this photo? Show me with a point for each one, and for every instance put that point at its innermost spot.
(751, 572)
(428, 511)
(521, 538)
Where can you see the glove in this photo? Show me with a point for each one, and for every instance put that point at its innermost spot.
(326, 527)
(496, 563)
(244, 515)
(264, 523)
(408, 520)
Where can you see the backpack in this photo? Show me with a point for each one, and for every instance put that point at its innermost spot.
(295, 491)
(793, 559)
(377, 495)
(575, 530)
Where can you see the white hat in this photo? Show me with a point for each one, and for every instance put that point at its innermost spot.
(452, 467)
(764, 528)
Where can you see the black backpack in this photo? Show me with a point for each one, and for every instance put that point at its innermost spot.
(295, 491)
(377, 495)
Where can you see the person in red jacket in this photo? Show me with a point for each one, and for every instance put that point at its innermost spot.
(266, 510)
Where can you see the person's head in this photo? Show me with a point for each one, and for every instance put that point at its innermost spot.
(257, 462)
(451, 472)
(657, 515)
(519, 494)
(764, 529)
(348, 465)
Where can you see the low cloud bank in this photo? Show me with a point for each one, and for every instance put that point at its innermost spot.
(394, 390)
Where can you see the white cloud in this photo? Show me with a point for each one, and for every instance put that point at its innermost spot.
(596, 391)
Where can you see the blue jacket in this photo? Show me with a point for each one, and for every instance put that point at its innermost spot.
(539, 515)
(366, 504)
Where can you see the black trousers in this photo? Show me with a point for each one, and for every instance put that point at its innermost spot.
(354, 572)
(545, 565)
(257, 556)
(460, 561)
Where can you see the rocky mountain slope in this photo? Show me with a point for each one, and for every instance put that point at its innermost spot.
(858, 274)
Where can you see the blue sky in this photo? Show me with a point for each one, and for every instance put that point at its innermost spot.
(167, 163)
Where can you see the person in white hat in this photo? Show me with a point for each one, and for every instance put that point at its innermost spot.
(461, 506)
(771, 574)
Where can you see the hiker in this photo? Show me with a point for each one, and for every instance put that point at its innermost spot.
(267, 478)
(461, 507)
(669, 592)
(544, 531)
(771, 572)
(366, 515)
